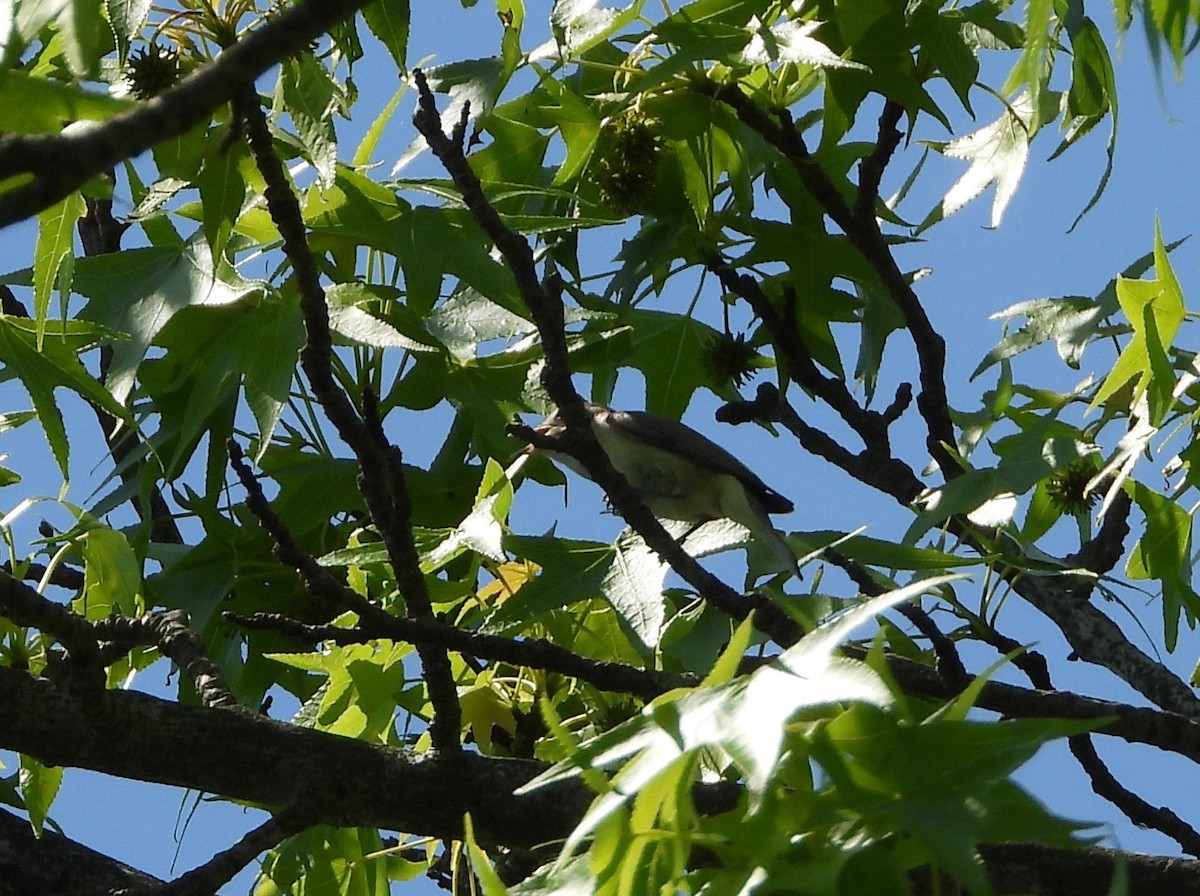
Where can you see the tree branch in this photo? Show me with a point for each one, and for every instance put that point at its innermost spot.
(251, 757)
(53, 863)
(221, 868)
(870, 169)
(532, 653)
(863, 232)
(24, 606)
(545, 305)
(168, 631)
(62, 163)
(439, 680)
(381, 480)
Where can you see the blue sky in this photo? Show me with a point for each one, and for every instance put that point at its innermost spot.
(976, 272)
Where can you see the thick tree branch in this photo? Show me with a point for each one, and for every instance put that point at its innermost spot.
(52, 863)
(1031, 869)
(246, 756)
(1097, 639)
(251, 757)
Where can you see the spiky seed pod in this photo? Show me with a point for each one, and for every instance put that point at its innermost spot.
(626, 160)
(729, 358)
(151, 70)
(1067, 485)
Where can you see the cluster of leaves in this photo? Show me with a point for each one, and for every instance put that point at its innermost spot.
(718, 139)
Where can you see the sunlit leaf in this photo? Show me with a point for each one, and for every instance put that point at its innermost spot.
(997, 154)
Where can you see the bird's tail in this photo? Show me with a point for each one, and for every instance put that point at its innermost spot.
(750, 513)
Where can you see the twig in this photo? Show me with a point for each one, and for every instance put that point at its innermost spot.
(323, 586)
(871, 427)
(63, 576)
(532, 653)
(101, 234)
(887, 474)
(863, 232)
(1139, 811)
(208, 878)
(950, 665)
(1103, 782)
(870, 169)
(1104, 551)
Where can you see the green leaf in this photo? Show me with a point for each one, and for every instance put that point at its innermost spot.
(634, 587)
(1164, 552)
(1092, 97)
(430, 242)
(481, 865)
(41, 372)
(467, 319)
(209, 351)
(791, 40)
(578, 26)
(1032, 69)
(746, 717)
(266, 349)
(483, 528)
(943, 37)
(571, 571)
(370, 140)
(997, 154)
(39, 105)
(884, 770)
(80, 27)
(112, 575)
(1043, 445)
(389, 21)
(222, 190)
(54, 256)
(138, 291)
(39, 786)
(1156, 310)
(884, 554)
(126, 18)
(347, 319)
(668, 349)
(309, 93)
(1071, 321)
(634, 582)
(1167, 24)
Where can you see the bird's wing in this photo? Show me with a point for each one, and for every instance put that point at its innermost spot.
(679, 438)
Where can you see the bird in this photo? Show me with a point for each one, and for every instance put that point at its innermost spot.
(679, 473)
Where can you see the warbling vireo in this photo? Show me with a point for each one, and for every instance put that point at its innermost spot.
(680, 474)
